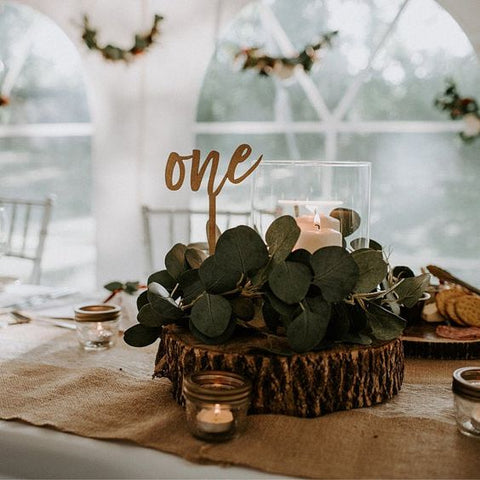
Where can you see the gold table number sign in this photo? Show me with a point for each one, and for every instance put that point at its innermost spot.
(197, 172)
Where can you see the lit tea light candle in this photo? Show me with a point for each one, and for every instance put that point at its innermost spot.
(217, 419)
(312, 205)
(318, 235)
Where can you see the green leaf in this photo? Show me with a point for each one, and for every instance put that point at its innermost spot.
(319, 305)
(158, 289)
(384, 324)
(290, 281)
(307, 330)
(192, 286)
(281, 237)
(229, 331)
(195, 257)
(335, 272)
(217, 277)
(372, 269)
(142, 300)
(301, 256)
(112, 286)
(211, 315)
(410, 290)
(357, 339)
(148, 317)
(281, 307)
(241, 249)
(349, 220)
(141, 336)
(165, 307)
(339, 325)
(163, 278)
(131, 287)
(175, 260)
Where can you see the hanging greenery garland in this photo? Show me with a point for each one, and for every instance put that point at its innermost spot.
(253, 58)
(113, 53)
(460, 108)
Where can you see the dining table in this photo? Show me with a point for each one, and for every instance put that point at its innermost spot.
(70, 413)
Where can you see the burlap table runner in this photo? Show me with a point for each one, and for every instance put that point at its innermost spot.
(413, 436)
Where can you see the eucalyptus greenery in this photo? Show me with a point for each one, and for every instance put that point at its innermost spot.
(335, 295)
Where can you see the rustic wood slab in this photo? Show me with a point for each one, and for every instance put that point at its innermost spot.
(421, 341)
(303, 385)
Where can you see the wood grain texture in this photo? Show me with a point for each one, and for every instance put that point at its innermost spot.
(306, 385)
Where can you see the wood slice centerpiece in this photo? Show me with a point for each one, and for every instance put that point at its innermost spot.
(302, 385)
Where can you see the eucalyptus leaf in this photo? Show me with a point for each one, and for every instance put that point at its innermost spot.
(281, 237)
(141, 336)
(165, 307)
(131, 287)
(217, 277)
(195, 257)
(319, 305)
(410, 290)
(142, 300)
(241, 249)
(163, 278)
(199, 246)
(281, 307)
(335, 272)
(384, 324)
(339, 324)
(226, 335)
(349, 220)
(158, 289)
(290, 281)
(357, 339)
(372, 269)
(211, 315)
(301, 256)
(175, 260)
(306, 331)
(192, 286)
(148, 317)
(112, 286)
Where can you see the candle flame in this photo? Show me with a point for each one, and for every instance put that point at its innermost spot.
(316, 219)
(217, 409)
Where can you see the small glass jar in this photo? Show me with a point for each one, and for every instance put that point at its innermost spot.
(97, 326)
(466, 389)
(216, 404)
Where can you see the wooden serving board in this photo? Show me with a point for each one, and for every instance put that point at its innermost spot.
(421, 341)
(302, 385)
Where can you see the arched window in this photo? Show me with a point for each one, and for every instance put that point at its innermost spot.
(45, 137)
(370, 98)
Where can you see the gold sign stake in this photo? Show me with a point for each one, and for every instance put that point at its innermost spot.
(176, 161)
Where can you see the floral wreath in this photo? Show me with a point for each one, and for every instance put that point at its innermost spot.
(460, 108)
(253, 58)
(113, 53)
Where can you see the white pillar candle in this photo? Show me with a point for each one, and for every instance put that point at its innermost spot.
(318, 234)
(215, 419)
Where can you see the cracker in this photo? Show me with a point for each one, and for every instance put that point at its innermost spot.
(467, 309)
(451, 312)
(441, 298)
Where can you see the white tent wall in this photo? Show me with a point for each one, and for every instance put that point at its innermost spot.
(145, 110)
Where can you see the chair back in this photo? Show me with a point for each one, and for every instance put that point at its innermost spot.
(165, 227)
(27, 228)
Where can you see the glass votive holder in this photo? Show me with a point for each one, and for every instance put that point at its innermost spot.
(97, 326)
(466, 390)
(216, 404)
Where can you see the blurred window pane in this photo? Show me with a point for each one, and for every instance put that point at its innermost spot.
(389, 60)
(42, 76)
